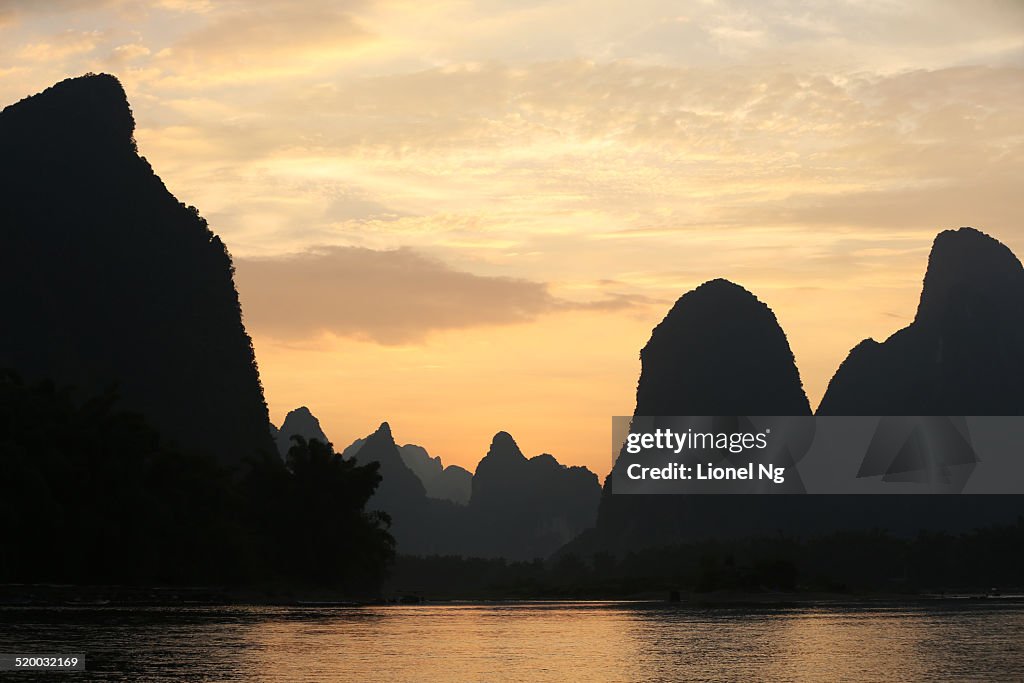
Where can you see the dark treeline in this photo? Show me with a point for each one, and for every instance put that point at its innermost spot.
(852, 563)
(90, 494)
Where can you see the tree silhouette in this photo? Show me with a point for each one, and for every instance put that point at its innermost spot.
(90, 494)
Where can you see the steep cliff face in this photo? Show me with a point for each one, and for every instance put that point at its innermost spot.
(964, 352)
(962, 355)
(719, 352)
(106, 278)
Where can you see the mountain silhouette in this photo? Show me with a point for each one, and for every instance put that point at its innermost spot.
(399, 484)
(502, 464)
(451, 483)
(962, 355)
(454, 483)
(719, 352)
(299, 422)
(420, 525)
(106, 278)
(421, 462)
(964, 352)
(526, 508)
(519, 507)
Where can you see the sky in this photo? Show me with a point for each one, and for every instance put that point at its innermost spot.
(465, 217)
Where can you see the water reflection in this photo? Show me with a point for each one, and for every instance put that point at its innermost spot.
(528, 642)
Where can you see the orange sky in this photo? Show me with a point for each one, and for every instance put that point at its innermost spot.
(467, 217)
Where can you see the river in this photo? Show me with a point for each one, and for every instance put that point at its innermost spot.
(529, 642)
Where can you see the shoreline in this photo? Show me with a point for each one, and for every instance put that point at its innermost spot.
(56, 596)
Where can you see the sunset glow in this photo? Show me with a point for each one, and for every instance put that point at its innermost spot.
(467, 217)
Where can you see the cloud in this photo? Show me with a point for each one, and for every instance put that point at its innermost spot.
(620, 136)
(61, 46)
(121, 55)
(266, 40)
(13, 11)
(726, 112)
(51, 6)
(985, 201)
(471, 155)
(195, 6)
(389, 297)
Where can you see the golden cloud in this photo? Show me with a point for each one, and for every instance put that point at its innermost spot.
(389, 297)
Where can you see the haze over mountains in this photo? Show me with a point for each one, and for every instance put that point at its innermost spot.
(452, 483)
(106, 278)
(513, 506)
(519, 508)
(444, 483)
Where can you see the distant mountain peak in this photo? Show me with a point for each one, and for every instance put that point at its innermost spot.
(401, 492)
(967, 264)
(528, 507)
(451, 483)
(503, 447)
(301, 422)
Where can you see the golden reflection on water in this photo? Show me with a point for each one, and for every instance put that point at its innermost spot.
(623, 642)
(594, 642)
(535, 642)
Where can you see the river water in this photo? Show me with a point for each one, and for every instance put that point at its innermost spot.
(594, 642)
